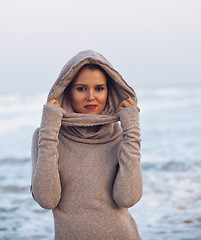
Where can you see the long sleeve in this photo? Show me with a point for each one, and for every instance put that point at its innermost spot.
(46, 187)
(127, 188)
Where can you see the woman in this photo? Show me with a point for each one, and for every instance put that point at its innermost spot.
(86, 167)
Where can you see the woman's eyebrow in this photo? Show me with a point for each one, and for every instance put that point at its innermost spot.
(84, 85)
(79, 84)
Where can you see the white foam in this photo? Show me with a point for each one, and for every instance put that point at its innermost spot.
(19, 110)
(18, 123)
(169, 91)
(20, 103)
(168, 98)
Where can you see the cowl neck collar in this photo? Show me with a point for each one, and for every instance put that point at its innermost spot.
(92, 134)
(87, 120)
(90, 128)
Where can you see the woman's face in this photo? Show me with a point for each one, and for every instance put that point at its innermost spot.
(89, 92)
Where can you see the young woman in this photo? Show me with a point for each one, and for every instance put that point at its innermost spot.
(86, 166)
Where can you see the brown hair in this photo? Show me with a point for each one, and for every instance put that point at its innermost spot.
(93, 67)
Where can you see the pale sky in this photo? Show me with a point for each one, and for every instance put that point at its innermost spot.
(150, 42)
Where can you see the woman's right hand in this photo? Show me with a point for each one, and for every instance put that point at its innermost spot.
(55, 102)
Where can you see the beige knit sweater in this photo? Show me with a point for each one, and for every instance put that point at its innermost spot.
(88, 173)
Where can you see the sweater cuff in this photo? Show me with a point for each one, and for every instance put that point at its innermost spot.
(129, 116)
(52, 115)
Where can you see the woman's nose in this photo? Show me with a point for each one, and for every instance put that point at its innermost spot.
(90, 96)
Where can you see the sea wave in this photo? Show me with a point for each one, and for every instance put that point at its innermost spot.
(20, 103)
(169, 91)
(171, 166)
(151, 99)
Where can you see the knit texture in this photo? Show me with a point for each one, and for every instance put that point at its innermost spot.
(89, 175)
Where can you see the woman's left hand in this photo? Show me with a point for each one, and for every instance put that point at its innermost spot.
(126, 103)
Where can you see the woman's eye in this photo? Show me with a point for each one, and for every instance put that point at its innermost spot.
(80, 89)
(99, 89)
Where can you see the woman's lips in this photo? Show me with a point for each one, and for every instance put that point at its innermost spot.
(91, 106)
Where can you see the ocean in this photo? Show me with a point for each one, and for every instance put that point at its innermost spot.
(170, 208)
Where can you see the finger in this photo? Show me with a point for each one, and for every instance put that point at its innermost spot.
(52, 101)
(55, 102)
(131, 101)
(125, 103)
(122, 105)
